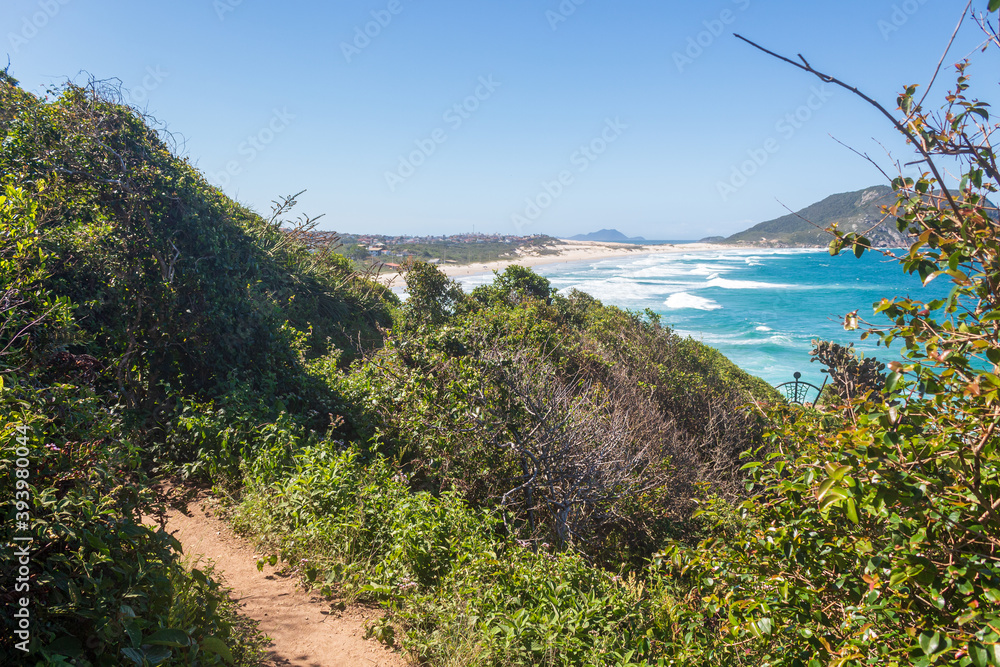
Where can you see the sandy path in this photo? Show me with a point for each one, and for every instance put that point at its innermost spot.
(305, 630)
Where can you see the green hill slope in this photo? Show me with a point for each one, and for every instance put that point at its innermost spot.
(449, 457)
(857, 211)
(133, 296)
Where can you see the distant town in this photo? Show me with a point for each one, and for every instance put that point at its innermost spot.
(376, 241)
(452, 249)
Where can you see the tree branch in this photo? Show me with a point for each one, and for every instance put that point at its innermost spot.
(899, 126)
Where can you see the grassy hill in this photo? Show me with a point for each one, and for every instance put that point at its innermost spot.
(856, 211)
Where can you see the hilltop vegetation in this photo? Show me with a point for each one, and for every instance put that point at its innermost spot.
(130, 289)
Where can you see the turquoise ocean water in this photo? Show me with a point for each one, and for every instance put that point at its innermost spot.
(759, 307)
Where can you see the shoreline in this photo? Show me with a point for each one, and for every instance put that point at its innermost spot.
(570, 251)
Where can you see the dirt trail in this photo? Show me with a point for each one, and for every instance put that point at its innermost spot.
(305, 630)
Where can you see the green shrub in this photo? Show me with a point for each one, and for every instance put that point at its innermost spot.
(515, 284)
(102, 586)
(355, 530)
(358, 520)
(432, 297)
(517, 404)
(873, 535)
(174, 284)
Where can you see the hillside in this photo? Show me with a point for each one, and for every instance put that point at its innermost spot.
(857, 211)
(448, 459)
(607, 235)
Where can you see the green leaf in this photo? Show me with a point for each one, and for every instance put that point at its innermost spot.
(218, 647)
(74, 593)
(929, 642)
(833, 497)
(892, 381)
(993, 354)
(977, 652)
(852, 511)
(135, 655)
(168, 637)
(824, 488)
(994, 5)
(837, 472)
(134, 633)
(157, 654)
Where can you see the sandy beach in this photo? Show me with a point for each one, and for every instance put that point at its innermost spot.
(571, 251)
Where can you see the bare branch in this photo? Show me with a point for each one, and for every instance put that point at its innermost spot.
(918, 144)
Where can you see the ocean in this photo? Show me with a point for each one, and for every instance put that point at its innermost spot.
(760, 307)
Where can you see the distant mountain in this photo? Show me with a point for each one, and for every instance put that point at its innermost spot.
(611, 235)
(852, 211)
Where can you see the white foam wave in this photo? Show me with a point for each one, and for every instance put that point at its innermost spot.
(707, 270)
(725, 283)
(764, 328)
(618, 289)
(723, 341)
(684, 300)
(659, 271)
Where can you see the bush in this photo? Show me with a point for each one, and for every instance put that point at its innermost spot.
(585, 426)
(174, 284)
(104, 588)
(432, 296)
(459, 594)
(852, 375)
(515, 284)
(873, 536)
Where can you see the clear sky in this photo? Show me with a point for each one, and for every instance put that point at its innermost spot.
(530, 116)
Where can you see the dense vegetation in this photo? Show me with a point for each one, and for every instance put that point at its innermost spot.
(151, 326)
(518, 477)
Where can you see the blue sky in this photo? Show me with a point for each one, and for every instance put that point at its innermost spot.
(511, 116)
